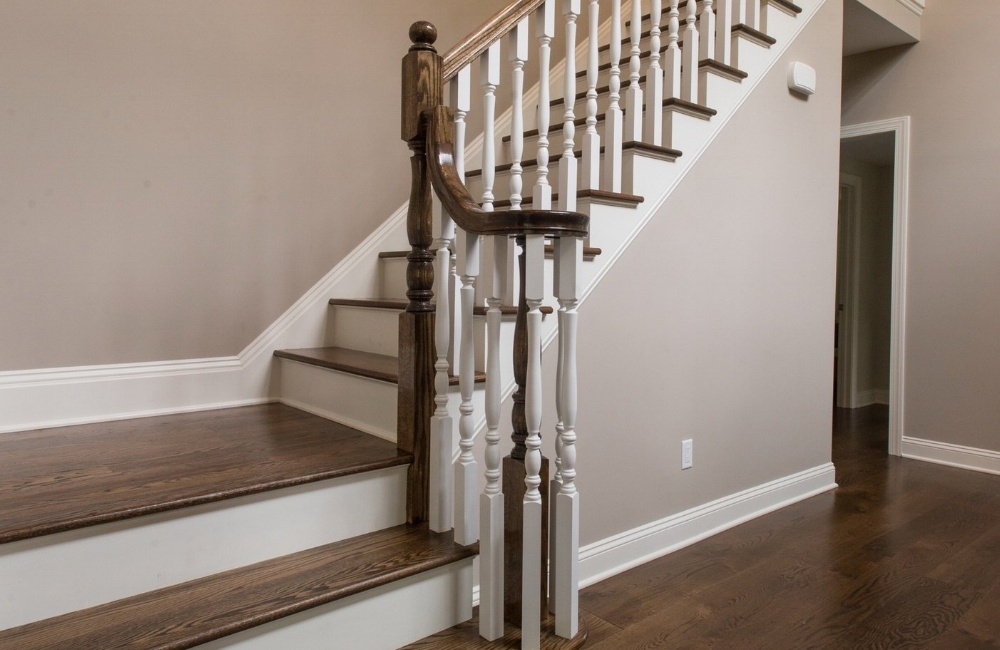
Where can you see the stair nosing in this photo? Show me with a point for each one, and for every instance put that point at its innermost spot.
(309, 356)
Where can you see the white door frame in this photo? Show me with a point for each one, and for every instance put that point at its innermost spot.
(900, 126)
(848, 279)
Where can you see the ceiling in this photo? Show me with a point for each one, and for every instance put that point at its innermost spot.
(865, 30)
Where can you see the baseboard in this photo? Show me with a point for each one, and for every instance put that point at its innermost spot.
(942, 453)
(627, 550)
(871, 396)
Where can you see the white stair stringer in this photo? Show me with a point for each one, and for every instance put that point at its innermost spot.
(107, 562)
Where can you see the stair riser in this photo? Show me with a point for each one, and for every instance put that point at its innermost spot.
(111, 561)
(365, 404)
(414, 607)
(365, 329)
(392, 278)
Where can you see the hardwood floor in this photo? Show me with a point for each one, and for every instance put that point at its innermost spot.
(905, 554)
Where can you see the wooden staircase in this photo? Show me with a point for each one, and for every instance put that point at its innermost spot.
(256, 527)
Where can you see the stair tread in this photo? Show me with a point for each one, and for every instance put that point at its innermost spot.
(381, 367)
(665, 152)
(195, 612)
(66, 478)
(600, 195)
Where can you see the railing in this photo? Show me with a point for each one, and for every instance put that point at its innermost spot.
(663, 68)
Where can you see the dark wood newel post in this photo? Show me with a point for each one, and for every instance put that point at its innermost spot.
(422, 89)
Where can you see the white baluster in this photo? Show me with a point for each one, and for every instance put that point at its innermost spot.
(613, 119)
(491, 528)
(518, 55)
(545, 26)
(747, 13)
(591, 164)
(654, 80)
(633, 96)
(689, 74)
(724, 31)
(566, 528)
(568, 163)
(466, 470)
(460, 91)
(672, 57)
(706, 30)
(489, 76)
(534, 290)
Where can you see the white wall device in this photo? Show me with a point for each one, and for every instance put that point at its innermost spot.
(802, 78)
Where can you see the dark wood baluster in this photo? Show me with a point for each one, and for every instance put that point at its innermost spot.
(422, 90)
(514, 473)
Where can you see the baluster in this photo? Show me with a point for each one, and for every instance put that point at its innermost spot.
(654, 79)
(568, 164)
(723, 32)
(689, 72)
(518, 56)
(633, 96)
(672, 57)
(491, 531)
(747, 13)
(613, 119)
(461, 98)
(441, 505)
(489, 76)
(591, 139)
(533, 290)
(566, 528)
(706, 30)
(545, 26)
(466, 471)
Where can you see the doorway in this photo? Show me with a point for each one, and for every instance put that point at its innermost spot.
(871, 263)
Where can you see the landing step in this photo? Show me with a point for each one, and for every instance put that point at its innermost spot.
(199, 611)
(364, 364)
(67, 478)
(478, 310)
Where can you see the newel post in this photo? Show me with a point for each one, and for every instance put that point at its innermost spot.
(422, 88)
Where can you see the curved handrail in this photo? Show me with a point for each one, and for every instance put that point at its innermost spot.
(466, 212)
(465, 51)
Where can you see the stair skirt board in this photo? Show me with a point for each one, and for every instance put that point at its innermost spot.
(111, 561)
(383, 618)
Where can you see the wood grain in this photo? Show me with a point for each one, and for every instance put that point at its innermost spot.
(60, 479)
(364, 364)
(199, 611)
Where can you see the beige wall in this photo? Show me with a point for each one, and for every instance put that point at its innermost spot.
(952, 353)
(717, 323)
(174, 175)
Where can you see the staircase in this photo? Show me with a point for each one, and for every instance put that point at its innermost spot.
(310, 522)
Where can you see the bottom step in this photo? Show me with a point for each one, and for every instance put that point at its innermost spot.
(301, 586)
(465, 636)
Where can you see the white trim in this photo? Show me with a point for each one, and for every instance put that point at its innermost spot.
(899, 126)
(916, 6)
(942, 453)
(871, 396)
(847, 371)
(624, 551)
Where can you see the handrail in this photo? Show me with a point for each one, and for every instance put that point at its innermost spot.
(466, 211)
(469, 48)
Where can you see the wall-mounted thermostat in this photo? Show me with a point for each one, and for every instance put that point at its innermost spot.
(802, 78)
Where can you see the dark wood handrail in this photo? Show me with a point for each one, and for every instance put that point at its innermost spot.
(467, 213)
(469, 48)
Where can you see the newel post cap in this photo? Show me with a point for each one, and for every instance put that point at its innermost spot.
(423, 35)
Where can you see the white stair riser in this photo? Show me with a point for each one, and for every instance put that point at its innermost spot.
(366, 404)
(392, 278)
(378, 619)
(56, 574)
(365, 329)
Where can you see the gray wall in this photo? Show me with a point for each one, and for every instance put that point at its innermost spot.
(952, 353)
(174, 175)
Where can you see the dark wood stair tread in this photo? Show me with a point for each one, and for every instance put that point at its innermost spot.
(755, 34)
(60, 479)
(195, 612)
(400, 305)
(664, 152)
(364, 364)
(599, 195)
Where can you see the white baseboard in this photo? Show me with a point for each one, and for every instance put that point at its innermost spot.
(871, 396)
(627, 550)
(942, 453)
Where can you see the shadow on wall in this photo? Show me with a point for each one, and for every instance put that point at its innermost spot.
(863, 71)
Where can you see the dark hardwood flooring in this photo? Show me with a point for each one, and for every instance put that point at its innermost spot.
(904, 554)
